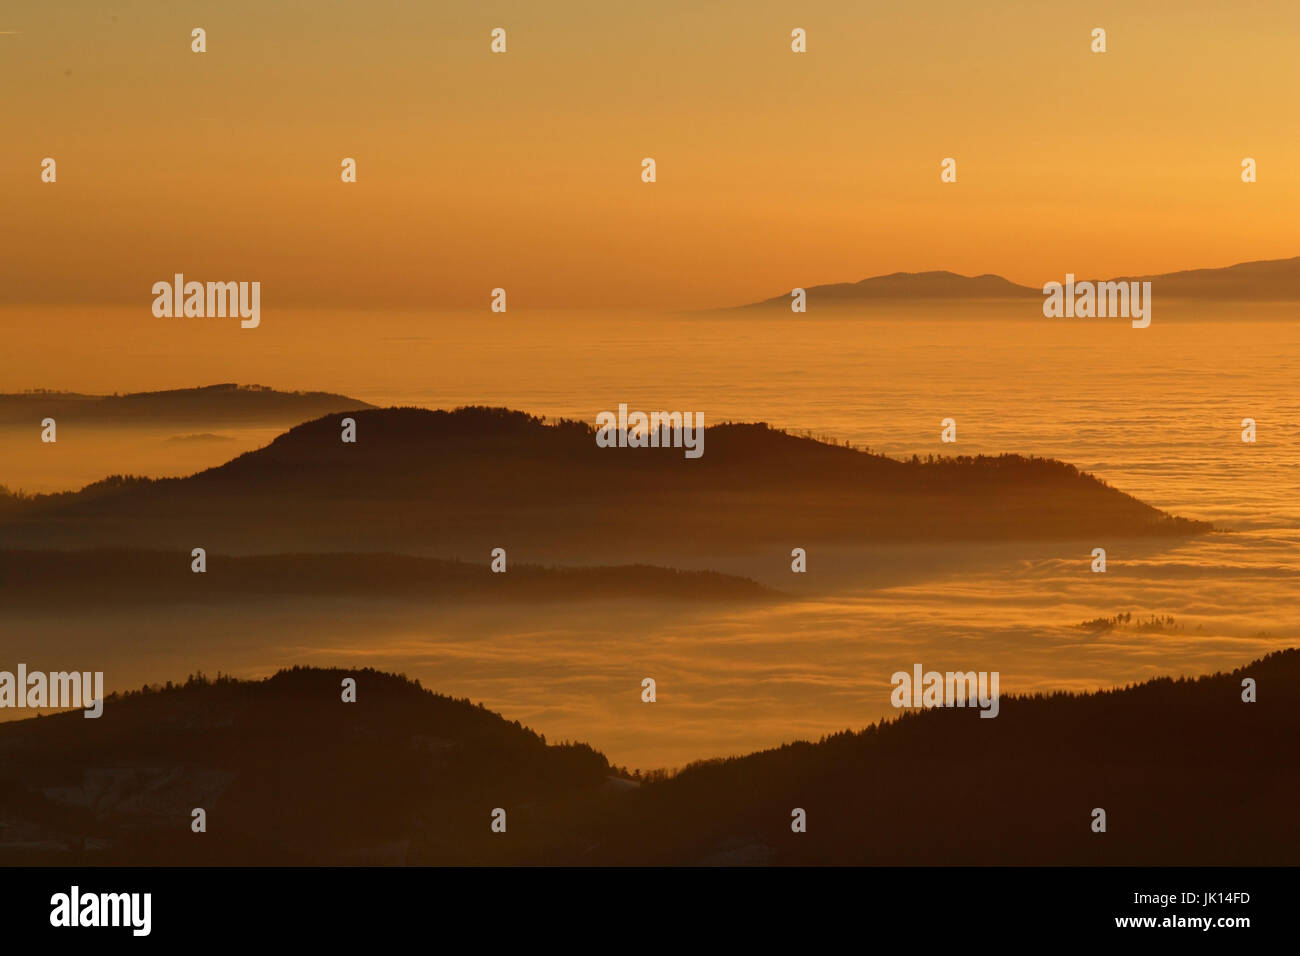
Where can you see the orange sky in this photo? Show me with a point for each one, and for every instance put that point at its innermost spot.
(523, 170)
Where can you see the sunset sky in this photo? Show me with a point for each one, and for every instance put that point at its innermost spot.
(1025, 479)
(523, 170)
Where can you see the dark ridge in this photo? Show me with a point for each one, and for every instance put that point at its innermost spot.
(1187, 773)
(289, 774)
(457, 484)
(286, 771)
(58, 579)
(226, 404)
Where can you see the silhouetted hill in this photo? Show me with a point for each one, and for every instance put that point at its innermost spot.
(287, 773)
(210, 404)
(1263, 281)
(1186, 771)
(905, 286)
(457, 484)
(59, 579)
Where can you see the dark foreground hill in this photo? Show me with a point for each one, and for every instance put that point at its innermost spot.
(1186, 771)
(458, 484)
(286, 772)
(209, 405)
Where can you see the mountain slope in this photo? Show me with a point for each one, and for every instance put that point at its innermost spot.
(1186, 771)
(287, 773)
(458, 484)
(1273, 280)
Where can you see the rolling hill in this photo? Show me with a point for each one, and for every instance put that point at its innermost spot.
(286, 772)
(1187, 773)
(458, 484)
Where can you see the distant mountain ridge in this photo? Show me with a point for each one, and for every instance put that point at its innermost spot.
(224, 404)
(1271, 280)
(912, 285)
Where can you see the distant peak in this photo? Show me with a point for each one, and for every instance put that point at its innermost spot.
(1259, 280)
